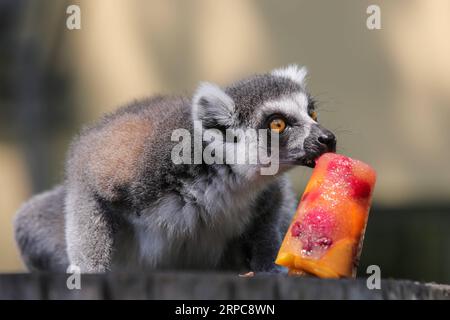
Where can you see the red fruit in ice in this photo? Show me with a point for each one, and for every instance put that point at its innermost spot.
(314, 230)
(360, 188)
(318, 222)
(296, 229)
(340, 165)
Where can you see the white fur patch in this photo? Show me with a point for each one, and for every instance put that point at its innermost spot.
(221, 106)
(293, 72)
(192, 232)
(295, 105)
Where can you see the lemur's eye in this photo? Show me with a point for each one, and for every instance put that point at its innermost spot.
(313, 115)
(277, 124)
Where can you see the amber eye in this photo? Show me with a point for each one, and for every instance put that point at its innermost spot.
(314, 115)
(278, 125)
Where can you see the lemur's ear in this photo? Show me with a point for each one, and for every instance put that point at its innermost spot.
(212, 106)
(293, 72)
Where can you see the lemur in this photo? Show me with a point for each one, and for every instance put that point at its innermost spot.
(125, 205)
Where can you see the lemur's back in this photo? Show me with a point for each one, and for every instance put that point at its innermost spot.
(115, 142)
(110, 155)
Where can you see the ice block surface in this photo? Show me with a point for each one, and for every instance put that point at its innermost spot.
(326, 233)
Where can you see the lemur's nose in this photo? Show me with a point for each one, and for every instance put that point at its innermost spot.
(329, 140)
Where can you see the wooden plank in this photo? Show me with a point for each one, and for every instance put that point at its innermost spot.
(170, 285)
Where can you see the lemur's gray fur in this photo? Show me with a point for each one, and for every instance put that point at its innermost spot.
(125, 204)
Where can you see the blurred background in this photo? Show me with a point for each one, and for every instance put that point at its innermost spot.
(386, 93)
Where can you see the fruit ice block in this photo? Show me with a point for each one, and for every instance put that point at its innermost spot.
(326, 234)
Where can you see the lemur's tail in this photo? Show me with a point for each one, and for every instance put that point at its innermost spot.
(39, 232)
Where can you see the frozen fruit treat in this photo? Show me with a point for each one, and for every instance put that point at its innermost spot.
(327, 231)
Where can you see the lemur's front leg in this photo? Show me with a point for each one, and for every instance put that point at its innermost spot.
(89, 233)
(264, 237)
(263, 247)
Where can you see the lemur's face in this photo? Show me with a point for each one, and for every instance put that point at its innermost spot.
(276, 102)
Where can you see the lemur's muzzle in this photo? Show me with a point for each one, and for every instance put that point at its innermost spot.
(319, 141)
(328, 140)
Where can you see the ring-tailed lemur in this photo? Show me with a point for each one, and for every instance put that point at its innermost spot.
(125, 204)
